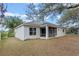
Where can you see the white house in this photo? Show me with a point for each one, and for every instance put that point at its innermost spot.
(41, 30)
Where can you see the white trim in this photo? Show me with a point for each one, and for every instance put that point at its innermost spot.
(46, 32)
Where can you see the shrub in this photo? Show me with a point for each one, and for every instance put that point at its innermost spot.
(4, 35)
(71, 30)
(11, 33)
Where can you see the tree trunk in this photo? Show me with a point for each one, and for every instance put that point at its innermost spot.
(0, 35)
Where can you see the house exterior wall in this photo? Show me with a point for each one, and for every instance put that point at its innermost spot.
(77, 31)
(19, 33)
(22, 33)
(60, 32)
(28, 36)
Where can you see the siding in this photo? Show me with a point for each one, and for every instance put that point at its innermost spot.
(22, 33)
(19, 33)
(60, 32)
(26, 33)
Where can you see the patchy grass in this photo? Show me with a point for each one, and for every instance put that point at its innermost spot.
(67, 45)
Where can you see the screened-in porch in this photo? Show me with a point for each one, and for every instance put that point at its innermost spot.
(48, 31)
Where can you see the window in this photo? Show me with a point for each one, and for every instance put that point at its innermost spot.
(32, 31)
(63, 30)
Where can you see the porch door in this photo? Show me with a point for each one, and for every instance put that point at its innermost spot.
(52, 31)
(42, 31)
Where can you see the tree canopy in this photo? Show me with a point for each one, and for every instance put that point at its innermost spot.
(43, 10)
(70, 16)
(12, 22)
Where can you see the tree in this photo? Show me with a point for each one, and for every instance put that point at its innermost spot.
(31, 11)
(68, 11)
(70, 16)
(59, 7)
(38, 11)
(2, 11)
(12, 22)
(72, 30)
(46, 9)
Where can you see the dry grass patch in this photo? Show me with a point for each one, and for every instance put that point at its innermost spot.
(67, 45)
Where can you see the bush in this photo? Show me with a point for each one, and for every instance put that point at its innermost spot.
(11, 33)
(72, 30)
(4, 35)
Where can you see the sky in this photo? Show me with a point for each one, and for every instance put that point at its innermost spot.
(18, 9)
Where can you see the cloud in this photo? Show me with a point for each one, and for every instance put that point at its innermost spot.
(21, 16)
(10, 14)
(14, 14)
(58, 16)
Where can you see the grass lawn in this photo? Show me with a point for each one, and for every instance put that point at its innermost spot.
(67, 45)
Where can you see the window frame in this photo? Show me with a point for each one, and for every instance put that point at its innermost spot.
(63, 30)
(32, 31)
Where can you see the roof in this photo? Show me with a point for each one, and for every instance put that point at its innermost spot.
(36, 23)
(40, 23)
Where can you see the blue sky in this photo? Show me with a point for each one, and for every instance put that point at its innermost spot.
(16, 8)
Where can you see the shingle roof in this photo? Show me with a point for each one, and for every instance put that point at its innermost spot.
(36, 23)
(40, 23)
